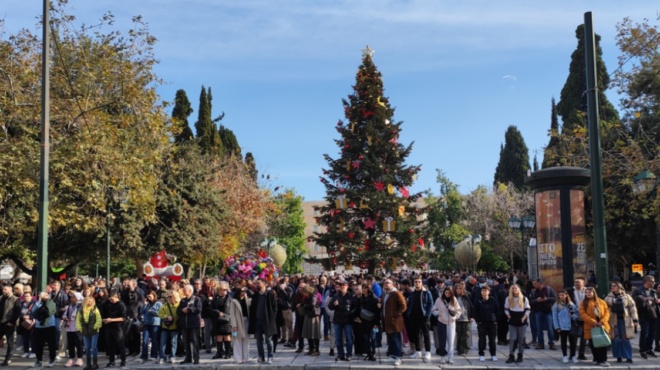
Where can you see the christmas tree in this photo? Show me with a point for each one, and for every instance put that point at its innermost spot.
(371, 220)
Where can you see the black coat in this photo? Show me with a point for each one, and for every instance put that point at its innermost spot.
(191, 319)
(270, 314)
(485, 311)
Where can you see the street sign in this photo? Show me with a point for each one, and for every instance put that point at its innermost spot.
(638, 267)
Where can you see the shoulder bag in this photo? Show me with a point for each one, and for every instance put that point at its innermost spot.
(599, 337)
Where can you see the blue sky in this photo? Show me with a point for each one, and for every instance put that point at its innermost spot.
(458, 72)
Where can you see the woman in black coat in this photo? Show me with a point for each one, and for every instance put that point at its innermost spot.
(368, 323)
(219, 313)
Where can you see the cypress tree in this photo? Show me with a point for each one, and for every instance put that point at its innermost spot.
(572, 106)
(550, 151)
(182, 110)
(252, 166)
(207, 135)
(514, 159)
(229, 142)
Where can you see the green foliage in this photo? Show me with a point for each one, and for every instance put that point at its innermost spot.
(445, 215)
(491, 260)
(553, 144)
(514, 160)
(252, 166)
(287, 225)
(108, 131)
(208, 137)
(180, 113)
(572, 106)
(189, 209)
(229, 141)
(371, 177)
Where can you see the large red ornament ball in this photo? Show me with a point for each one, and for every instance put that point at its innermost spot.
(411, 231)
(360, 157)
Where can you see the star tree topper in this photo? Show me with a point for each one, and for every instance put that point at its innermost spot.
(368, 51)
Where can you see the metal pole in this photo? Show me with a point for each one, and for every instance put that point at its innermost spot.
(107, 259)
(522, 242)
(600, 240)
(42, 247)
(657, 250)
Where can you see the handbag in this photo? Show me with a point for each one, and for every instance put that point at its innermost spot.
(168, 322)
(28, 324)
(577, 329)
(367, 315)
(599, 337)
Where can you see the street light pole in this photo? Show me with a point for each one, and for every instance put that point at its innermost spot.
(522, 224)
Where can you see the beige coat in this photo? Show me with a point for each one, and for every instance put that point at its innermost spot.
(236, 318)
(443, 311)
(630, 315)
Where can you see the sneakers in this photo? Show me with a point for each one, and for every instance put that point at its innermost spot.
(79, 362)
(427, 356)
(269, 361)
(397, 362)
(69, 363)
(482, 358)
(390, 360)
(416, 355)
(604, 364)
(494, 358)
(442, 359)
(25, 355)
(159, 361)
(575, 360)
(33, 355)
(564, 359)
(173, 360)
(410, 353)
(51, 364)
(5, 363)
(38, 364)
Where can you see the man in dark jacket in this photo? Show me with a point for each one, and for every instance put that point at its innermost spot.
(419, 302)
(541, 299)
(646, 301)
(11, 310)
(133, 298)
(189, 313)
(263, 311)
(485, 312)
(343, 304)
(113, 313)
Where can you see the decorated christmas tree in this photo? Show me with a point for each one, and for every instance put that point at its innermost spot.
(370, 219)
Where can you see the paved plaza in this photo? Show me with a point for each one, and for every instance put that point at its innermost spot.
(286, 358)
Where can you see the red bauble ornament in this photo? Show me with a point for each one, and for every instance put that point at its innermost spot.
(347, 146)
(351, 234)
(351, 205)
(360, 157)
(347, 177)
(338, 123)
(411, 231)
(414, 248)
(341, 190)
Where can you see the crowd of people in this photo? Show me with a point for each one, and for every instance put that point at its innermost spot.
(160, 320)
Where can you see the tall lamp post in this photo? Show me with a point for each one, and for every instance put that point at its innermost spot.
(522, 224)
(113, 197)
(646, 182)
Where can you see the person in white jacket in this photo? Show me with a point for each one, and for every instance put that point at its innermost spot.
(447, 309)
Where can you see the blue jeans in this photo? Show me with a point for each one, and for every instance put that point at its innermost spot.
(326, 321)
(646, 335)
(91, 349)
(621, 346)
(394, 345)
(153, 332)
(260, 330)
(544, 319)
(168, 336)
(344, 331)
